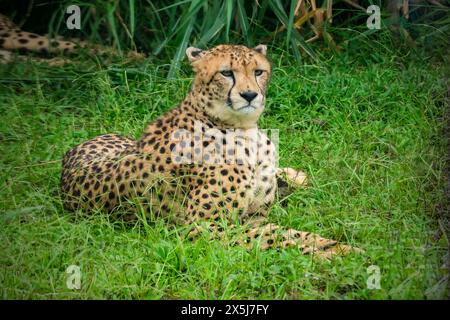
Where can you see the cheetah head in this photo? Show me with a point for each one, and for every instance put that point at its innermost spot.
(230, 82)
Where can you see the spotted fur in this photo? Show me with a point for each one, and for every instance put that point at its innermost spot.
(13, 38)
(202, 163)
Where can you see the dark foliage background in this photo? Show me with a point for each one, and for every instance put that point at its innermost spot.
(164, 28)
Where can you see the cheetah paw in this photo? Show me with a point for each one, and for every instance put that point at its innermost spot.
(336, 250)
(294, 177)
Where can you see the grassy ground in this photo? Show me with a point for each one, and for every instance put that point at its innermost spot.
(367, 133)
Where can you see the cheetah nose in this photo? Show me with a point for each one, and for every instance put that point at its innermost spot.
(248, 95)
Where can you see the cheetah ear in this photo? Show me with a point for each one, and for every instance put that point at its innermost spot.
(261, 48)
(194, 54)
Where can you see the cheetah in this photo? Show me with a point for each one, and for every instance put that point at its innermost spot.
(12, 38)
(203, 163)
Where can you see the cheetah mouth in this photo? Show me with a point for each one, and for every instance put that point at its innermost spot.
(246, 109)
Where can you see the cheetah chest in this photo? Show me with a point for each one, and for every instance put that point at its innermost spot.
(261, 159)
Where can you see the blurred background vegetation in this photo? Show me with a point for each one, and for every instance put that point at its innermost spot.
(308, 29)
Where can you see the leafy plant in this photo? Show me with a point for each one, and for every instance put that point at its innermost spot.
(164, 28)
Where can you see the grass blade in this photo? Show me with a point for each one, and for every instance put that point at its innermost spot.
(229, 5)
(112, 25)
(132, 10)
(181, 49)
(290, 23)
(242, 17)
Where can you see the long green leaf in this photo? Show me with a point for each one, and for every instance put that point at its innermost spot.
(242, 17)
(181, 49)
(290, 23)
(132, 10)
(180, 27)
(112, 25)
(229, 5)
(298, 40)
(213, 31)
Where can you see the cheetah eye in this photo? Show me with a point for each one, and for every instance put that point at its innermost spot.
(227, 73)
(258, 72)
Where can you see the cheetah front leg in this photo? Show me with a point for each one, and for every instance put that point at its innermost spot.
(212, 202)
(294, 177)
(221, 195)
(268, 235)
(288, 180)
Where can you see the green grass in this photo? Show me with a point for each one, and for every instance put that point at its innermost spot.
(369, 135)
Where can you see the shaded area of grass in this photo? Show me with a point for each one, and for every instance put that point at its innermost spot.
(367, 134)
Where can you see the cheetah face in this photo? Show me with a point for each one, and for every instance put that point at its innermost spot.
(231, 82)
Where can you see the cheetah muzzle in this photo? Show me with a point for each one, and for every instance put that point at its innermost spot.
(202, 163)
